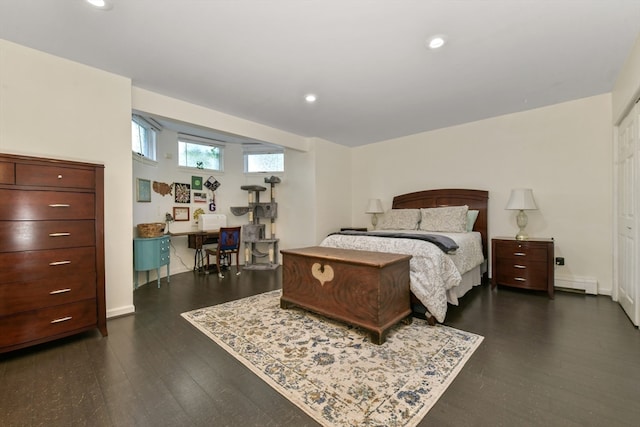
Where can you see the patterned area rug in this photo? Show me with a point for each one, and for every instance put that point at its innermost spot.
(331, 370)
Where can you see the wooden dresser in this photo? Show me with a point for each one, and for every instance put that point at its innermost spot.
(526, 264)
(51, 250)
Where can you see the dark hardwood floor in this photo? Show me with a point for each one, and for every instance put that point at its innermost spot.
(572, 361)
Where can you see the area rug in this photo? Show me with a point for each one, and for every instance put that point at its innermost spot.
(331, 370)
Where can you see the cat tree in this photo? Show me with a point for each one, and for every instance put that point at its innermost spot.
(260, 251)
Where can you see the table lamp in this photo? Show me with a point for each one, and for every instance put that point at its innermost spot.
(374, 207)
(521, 199)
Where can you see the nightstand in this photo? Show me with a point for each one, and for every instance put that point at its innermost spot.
(526, 264)
(151, 254)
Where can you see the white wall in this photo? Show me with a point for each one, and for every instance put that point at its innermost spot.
(51, 107)
(333, 188)
(562, 152)
(627, 87)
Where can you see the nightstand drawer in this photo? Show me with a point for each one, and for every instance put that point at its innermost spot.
(532, 275)
(519, 250)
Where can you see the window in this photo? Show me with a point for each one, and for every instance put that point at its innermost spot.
(200, 153)
(263, 160)
(143, 138)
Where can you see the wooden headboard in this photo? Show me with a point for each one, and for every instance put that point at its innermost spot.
(475, 199)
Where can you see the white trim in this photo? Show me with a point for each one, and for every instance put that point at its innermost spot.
(587, 284)
(142, 159)
(121, 311)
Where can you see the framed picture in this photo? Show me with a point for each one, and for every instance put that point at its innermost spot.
(143, 190)
(182, 193)
(196, 182)
(199, 197)
(181, 213)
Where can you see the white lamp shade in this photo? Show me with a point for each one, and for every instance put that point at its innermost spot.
(521, 199)
(374, 206)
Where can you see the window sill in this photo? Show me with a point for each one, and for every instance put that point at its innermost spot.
(144, 160)
(197, 170)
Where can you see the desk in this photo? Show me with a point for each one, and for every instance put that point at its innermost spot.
(198, 239)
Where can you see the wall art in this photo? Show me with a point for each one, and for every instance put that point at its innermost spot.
(196, 183)
(182, 193)
(143, 190)
(181, 213)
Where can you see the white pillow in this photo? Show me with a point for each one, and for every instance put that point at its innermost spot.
(472, 216)
(399, 219)
(451, 219)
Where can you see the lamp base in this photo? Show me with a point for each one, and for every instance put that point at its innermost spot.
(374, 220)
(522, 221)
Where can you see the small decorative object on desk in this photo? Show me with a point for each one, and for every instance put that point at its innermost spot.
(154, 229)
(197, 213)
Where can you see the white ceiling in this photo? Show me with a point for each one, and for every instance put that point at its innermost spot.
(365, 60)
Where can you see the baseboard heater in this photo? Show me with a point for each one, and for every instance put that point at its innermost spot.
(588, 285)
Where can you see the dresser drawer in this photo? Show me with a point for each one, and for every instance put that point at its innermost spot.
(51, 264)
(16, 236)
(54, 176)
(524, 251)
(7, 173)
(43, 205)
(531, 275)
(47, 323)
(26, 296)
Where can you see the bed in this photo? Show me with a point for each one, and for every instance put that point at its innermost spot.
(437, 278)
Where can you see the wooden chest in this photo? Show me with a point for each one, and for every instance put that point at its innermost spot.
(362, 288)
(51, 250)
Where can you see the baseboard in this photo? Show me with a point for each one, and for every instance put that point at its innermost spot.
(588, 285)
(121, 311)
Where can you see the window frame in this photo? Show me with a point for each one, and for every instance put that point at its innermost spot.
(248, 151)
(198, 140)
(150, 143)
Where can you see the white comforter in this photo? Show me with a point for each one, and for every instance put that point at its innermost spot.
(432, 272)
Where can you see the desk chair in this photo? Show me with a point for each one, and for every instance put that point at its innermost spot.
(228, 244)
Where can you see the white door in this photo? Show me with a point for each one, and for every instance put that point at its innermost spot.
(627, 214)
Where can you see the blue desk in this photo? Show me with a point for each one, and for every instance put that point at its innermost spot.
(151, 253)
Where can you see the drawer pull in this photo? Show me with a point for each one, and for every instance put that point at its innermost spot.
(519, 266)
(60, 291)
(59, 263)
(62, 319)
(59, 176)
(520, 279)
(520, 254)
(59, 205)
(59, 234)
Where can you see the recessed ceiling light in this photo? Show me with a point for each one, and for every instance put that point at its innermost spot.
(100, 4)
(310, 98)
(436, 42)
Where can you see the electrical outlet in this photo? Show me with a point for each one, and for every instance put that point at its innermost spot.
(559, 260)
